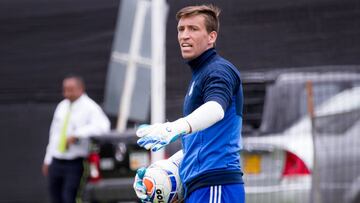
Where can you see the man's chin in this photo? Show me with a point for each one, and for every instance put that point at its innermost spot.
(187, 56)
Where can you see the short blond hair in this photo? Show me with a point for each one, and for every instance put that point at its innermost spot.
(210, 12)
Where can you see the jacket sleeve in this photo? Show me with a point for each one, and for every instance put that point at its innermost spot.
(97, 123)
(220, 86)
(51, 145)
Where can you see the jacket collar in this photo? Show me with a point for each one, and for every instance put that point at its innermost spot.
(78, 100)
(196, 63)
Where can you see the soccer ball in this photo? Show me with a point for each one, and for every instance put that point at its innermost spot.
(163, 183)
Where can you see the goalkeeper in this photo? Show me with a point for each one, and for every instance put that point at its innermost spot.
(210, 130)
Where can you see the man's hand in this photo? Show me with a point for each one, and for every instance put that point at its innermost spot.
(167, 164)
(138, 185)
(71, 140)
(45, 169)
(159, 135)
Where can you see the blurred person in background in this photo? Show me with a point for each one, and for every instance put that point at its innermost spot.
(211, 127)
(75, 119)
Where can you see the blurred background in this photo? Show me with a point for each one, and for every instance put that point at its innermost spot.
(293, 55)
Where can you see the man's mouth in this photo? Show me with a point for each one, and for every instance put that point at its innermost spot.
(184, 45)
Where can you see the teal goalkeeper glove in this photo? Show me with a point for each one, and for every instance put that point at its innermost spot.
(159, 135)
(139, 186)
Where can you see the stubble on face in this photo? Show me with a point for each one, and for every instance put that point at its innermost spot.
(193, 37)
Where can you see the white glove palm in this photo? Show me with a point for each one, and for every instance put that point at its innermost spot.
(159, 135)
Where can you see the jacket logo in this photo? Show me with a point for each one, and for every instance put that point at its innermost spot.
(191, 88)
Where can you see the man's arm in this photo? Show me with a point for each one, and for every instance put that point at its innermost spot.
(98, 123)
(157, 136)
(50, 145)
(205, 116)
(218, 89)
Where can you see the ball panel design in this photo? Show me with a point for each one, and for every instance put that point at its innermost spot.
(163, 183)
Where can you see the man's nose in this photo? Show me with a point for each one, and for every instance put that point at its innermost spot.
(184, 34)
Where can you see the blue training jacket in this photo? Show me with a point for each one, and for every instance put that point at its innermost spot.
(211, 156)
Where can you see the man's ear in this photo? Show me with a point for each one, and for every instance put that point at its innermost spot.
(212, 37)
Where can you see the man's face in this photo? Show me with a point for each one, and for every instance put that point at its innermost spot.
(193, 37)
(72, 89)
